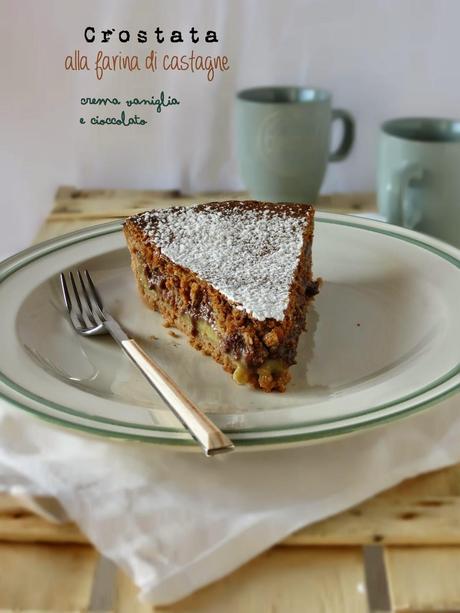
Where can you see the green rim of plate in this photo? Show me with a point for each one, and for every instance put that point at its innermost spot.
(22, 259)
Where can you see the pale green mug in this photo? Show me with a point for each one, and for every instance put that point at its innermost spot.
(418, 178)
(283, 139)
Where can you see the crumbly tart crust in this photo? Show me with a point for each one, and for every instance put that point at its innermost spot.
(235, 277)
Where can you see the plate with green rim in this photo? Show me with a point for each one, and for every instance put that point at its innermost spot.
(382, 342)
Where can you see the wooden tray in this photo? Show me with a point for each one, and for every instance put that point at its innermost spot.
(399, 551)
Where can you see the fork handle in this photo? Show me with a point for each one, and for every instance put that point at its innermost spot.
(197, 423)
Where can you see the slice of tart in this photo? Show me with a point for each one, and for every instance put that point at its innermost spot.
(234, 276)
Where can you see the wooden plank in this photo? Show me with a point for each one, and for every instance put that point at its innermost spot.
(76, 209)
(417, 521)
(423, 510)
(282, 579)
(18, 524)
(24, 527)
(71, 203)
(419, 511)
(431, 520)
(353, 202)
(45, 577)
(424, 579)
(122, 214)
(60, 578)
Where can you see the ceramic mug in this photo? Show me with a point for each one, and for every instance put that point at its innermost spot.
(418, 180)
(283, 138)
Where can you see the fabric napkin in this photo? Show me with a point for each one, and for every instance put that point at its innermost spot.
(177, 521)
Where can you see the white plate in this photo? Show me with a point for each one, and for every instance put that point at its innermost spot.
(383, 342)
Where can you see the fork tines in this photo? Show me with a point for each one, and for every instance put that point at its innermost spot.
(82, 300)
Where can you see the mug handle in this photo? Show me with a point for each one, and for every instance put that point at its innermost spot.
(403, 211)
(348, 136)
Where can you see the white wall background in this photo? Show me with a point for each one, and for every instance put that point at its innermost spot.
(380, 58)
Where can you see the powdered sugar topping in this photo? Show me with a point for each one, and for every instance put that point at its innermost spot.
(248, 254)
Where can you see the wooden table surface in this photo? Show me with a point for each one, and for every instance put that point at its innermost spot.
(399, 551)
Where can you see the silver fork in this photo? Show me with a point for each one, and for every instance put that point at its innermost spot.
(89, 318)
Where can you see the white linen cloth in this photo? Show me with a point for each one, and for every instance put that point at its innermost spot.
(177, 521)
